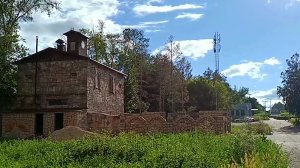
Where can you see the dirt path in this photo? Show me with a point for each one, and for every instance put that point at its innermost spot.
(287, 136)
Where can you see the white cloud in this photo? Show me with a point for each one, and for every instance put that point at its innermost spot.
(152, 30)
(73, 14)
(191, 16)
(264, 93)
(192, 48)
(250, 68)
(266, 97)
(150, 9)
(272, 61)
(149, 26)
(291, 3)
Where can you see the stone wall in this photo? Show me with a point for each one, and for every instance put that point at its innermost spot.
(22, 125)
(218, 122)
(100, 98)
(64, 80)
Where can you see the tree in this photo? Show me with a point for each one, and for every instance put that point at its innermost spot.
(11, 14)
(202, 94)
(290, 89)
(133, 56)
(185, 72)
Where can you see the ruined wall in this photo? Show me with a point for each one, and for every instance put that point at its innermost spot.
(64, 80)
(22, 125)
(100, 99)
(217, 122)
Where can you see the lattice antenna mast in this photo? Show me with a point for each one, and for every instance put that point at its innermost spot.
(217, 49)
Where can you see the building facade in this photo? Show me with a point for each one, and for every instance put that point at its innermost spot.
(59, 87)
(241, 110)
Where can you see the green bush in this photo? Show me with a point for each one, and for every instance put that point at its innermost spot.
(295, 121)
(252, 128)
(261, 116)
(194, 149)
(285, 114)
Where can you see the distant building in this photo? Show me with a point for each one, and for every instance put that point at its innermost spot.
(241, 110)
(62, 86)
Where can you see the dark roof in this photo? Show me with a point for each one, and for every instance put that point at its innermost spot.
(59, 41)
(71, 32)
(51, 51)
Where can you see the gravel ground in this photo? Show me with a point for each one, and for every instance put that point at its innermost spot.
(288, 136)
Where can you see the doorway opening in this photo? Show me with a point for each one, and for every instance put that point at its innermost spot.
(59, 121)
(39, 124)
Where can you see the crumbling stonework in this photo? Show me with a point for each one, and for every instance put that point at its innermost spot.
(59, 88)
(54, 81)
(100, 97)
(22, 124)
(211, 121)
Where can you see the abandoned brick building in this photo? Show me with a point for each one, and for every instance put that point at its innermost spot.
(62, 86)
(59, 87)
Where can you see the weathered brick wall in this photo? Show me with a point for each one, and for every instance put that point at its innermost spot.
(22, 125)
(18, 125)
(218, 122)
(64, 79)
(99, 98)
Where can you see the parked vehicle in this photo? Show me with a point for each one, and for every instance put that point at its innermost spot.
(244, 119)
(249, 119)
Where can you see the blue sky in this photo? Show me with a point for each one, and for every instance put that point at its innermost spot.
(257, 36)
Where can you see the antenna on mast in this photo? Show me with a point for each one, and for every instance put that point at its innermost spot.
(217, 49)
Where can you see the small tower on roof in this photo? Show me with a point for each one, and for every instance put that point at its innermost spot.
(76, 42)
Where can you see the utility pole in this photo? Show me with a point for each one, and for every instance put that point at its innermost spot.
(265, 102)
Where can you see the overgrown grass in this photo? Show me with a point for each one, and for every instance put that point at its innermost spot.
(295, 121)
(252, 128)
(261, 116)
(194, 149)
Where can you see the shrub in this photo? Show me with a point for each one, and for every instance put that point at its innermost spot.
(261, 116)
(252, 128)
(295, 121)
(193, 149)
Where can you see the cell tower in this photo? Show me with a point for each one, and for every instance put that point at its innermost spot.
(217, 49)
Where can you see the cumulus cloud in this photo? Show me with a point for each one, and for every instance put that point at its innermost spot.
(191, 16)
(73, 14)
(151, 9)
(250, 68)
(266, 97)
(272, 61)
(192, 48)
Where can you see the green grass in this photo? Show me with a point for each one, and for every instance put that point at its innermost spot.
(261, 116)
(252, 128)
(194, 149)
(295, 121)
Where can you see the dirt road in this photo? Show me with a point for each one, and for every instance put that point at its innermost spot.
(287, 136)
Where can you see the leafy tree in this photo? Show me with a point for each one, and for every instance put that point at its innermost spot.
(202, 94)
(12, 13)
(185, 74)
(255, 104)
(133, 56)
(290, 89)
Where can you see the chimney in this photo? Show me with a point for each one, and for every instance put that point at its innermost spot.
(60, 44)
